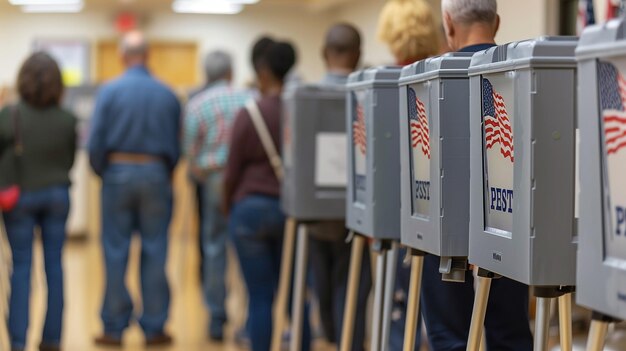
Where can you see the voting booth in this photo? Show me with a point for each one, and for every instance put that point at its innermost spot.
(373, 192)
(314, 158)
(601, 274)
(313, 187)
(522, 127)
(434, 158)
(522, 179)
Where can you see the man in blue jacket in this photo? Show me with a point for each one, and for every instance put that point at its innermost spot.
(134, 146)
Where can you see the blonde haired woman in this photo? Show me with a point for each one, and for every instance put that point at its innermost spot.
(409, 29)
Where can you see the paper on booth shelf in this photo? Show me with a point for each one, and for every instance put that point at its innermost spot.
(331, 160)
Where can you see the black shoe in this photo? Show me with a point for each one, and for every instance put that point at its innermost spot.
(161, 339)
(108, 341)
(49, 347)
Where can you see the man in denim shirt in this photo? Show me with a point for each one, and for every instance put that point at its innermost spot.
(134, 146)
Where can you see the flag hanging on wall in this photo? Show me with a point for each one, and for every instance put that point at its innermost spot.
(614, 8)
(586, 15)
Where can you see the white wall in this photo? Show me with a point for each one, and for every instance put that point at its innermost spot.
(232, 33)
(19, 32)
(520, 20)
(523, 19)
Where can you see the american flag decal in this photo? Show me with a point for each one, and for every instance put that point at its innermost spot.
(359, 131)
(498, 130)
(612, 86)
(420, 134)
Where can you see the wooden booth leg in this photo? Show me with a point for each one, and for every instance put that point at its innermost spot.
(284, 282)
(412, 311)
(349, 315)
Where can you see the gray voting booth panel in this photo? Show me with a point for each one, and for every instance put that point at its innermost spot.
(434, 155)
(373, 192)
(522, 145)
(314, 143)
(601, 274)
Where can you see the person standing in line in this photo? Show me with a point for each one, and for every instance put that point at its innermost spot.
(471, 26)
(37, 148)
(330, 254)
(134, 146)
(408, 28)
(208, 120)
(251, 193)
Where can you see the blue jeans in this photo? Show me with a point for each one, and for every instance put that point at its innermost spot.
(256, 227)
(47, 208)
(447, 311)
(214, 235)
(135, 197)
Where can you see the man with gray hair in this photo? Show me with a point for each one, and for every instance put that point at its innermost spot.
(471, 26)
(207, 123)
(134, 146)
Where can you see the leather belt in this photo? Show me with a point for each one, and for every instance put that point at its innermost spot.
(127, 157)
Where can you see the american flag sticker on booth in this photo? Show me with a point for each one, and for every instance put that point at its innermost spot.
(419, 139)
(359, 144)
(612, 95)
(498, 143)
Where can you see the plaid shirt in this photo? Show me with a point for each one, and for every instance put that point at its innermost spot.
(208, 120)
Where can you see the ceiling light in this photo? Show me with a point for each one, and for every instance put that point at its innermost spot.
(45, 2)
(213, 7)
(68, 8)
(245, 2)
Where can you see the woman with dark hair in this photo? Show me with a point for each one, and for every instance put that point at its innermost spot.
(37, 147)
(251, 192)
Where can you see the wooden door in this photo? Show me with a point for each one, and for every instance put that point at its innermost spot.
(175, 63)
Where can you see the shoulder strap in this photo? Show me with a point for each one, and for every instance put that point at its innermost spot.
(266, 139)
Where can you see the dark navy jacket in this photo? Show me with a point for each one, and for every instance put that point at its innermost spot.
(135, 113)
(477, 47)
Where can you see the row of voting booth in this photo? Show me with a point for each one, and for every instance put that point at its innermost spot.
(511, 160)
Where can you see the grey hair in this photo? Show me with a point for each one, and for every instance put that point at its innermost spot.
(217, 65)
(471, 11)
(134, 44)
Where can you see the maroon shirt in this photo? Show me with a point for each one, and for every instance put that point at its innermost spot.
(248, 169)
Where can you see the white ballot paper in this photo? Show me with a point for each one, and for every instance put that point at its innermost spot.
(331, 160)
